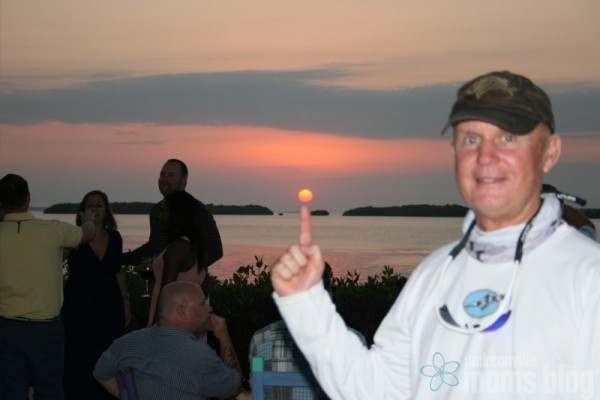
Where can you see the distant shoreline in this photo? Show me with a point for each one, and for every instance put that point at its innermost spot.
(412, 210)
(143, 208)
(433, 211)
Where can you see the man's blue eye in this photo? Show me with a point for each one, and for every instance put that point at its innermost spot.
(508, 138)
(471, 140)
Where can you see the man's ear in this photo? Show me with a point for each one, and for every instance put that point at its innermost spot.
(552, 152)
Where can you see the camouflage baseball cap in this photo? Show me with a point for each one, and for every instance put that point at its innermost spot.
(507, 100)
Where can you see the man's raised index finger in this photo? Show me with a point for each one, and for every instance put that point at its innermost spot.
(305, 227)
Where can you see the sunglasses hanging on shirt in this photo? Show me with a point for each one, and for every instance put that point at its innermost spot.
(498, 318)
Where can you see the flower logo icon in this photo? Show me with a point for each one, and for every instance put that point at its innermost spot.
(440, 372)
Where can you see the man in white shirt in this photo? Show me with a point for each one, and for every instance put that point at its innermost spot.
(512, 310)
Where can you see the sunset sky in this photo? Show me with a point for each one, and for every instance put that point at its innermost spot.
(263, 98)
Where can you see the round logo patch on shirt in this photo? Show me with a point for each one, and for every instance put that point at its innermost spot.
(482, 302)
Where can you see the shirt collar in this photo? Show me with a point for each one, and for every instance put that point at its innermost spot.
(168, 331)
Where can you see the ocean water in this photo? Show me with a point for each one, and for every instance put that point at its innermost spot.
(364, 244)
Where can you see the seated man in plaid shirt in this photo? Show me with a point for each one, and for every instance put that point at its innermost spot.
(280, 354)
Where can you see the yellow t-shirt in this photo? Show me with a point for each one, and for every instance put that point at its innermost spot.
(31, 265)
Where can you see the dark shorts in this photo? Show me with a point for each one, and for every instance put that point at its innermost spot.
(31, 355)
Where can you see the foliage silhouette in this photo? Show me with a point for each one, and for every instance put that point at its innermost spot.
(245, 300)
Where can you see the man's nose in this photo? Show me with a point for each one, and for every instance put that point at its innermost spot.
(486, 152)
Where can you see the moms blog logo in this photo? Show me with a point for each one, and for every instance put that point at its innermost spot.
(440, 372)
(507, 375)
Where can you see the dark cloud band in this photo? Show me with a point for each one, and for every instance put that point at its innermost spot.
(278, 99)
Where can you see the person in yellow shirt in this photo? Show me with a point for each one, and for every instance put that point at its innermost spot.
(31, 332)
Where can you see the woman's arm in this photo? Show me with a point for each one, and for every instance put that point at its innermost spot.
(116, 257)
(157, 269)
(125, 295)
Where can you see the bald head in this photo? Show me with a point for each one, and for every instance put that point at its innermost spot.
(181, 305)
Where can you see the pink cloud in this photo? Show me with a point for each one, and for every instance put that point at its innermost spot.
(137, 147)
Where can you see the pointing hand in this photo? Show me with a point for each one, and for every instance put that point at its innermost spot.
(301, 267)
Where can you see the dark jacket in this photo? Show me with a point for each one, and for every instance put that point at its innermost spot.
(158, 241)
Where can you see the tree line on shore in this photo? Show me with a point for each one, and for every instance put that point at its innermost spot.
(410, 210)
(138, 207)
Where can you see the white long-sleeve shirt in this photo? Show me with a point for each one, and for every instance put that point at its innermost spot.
(549, 347)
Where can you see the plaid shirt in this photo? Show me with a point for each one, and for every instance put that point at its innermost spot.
(169, 363)
(280, 354)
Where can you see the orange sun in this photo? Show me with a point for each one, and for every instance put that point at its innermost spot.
(305, 195)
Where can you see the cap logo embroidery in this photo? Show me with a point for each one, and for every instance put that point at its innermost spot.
(495, 83)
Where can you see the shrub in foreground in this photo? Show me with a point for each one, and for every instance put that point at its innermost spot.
(245, 301)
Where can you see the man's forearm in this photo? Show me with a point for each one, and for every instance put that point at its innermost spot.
(229, 357)
(111, 386)
(227, 352)
(152, 247)
(135, 257)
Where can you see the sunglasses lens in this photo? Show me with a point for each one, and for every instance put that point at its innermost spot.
(446, 316)
(499, 323)
(444, 313)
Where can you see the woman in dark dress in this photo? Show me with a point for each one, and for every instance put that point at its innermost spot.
(96, 305)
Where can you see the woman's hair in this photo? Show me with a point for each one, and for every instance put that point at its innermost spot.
(109, 219)
(184, 216)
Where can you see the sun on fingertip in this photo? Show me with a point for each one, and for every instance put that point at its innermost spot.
(305, 196)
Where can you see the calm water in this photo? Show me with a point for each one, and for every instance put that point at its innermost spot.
(365, 244)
